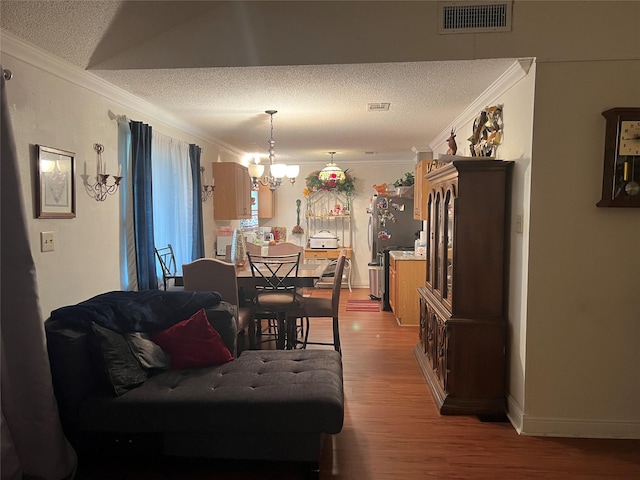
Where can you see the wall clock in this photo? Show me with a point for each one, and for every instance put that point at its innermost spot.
(621, 175)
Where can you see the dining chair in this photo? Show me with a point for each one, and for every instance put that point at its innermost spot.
(316, 307)
(275, 291)
(168, 265)
(253, 248)
(211, 274)
(285, 248)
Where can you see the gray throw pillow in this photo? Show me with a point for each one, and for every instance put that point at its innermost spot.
(122, 368)
(148, 353)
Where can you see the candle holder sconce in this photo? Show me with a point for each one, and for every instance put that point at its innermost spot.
(101, 188)
(206, 190)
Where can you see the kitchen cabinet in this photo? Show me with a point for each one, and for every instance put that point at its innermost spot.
(462, 306)
(420, 190)
(406, 274)
(266, 202)
(232, 195)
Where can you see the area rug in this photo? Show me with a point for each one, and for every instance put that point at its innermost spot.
(363, 306)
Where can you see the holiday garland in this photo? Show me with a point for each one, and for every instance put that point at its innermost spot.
(346, 186)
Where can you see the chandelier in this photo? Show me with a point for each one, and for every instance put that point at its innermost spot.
(277, 171)
(332, 174)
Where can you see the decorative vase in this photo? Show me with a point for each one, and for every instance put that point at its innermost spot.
(238, 248)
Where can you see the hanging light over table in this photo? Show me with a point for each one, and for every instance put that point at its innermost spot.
(332, 174)
(277, 171)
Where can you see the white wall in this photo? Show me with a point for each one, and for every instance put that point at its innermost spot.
(515, 92)
(49, 110)
(583, 311)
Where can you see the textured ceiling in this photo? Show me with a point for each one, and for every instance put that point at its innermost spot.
(220, 65)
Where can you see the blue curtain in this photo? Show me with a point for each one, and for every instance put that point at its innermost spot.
(198, 229)
(143, 205)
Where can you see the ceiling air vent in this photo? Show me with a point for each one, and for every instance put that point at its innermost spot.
(378, 107)
(474, 17)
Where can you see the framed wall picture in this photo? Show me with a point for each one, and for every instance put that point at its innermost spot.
(55, 183)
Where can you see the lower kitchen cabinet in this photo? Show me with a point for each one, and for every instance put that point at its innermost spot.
(406, 274)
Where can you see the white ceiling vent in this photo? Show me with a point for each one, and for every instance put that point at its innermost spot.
(378, 107)
(474, 17)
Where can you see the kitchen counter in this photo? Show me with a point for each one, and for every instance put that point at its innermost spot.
(407, 272)
(405, 255)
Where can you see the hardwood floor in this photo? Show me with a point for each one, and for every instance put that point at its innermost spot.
(393, 431)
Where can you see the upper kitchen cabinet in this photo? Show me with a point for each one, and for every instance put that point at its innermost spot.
(266, 202)
(420, 190)
(232, 196)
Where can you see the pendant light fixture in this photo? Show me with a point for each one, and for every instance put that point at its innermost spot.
(277, 171)
(332, 174)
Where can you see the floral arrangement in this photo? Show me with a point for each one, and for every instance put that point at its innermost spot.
(314, 184)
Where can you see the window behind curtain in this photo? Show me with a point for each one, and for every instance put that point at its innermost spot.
(172, 196)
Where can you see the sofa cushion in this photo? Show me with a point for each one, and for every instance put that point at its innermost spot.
(260, 391)
(76, 365)
(193, 343)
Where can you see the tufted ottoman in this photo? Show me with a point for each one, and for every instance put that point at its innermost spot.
(264, 405)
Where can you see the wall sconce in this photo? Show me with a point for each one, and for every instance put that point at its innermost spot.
(207, 190)
(101, 188)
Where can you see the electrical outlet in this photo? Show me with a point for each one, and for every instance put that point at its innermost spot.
(46, 241)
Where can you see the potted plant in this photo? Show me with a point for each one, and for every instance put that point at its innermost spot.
(403, 184)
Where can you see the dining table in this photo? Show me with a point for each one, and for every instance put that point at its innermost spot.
(308, 274)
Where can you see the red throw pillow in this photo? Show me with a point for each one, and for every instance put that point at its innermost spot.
(193, 343)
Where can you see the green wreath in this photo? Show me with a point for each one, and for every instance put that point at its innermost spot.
(347, 186)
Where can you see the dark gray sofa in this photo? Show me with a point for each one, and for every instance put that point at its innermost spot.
(263, 405)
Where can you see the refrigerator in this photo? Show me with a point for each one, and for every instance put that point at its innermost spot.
(391, 227)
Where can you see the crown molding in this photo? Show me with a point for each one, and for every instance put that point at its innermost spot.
(516, 72)
(38, 58)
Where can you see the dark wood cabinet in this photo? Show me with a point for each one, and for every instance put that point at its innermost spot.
(462, 338)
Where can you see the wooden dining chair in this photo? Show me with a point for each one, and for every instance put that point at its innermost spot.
(211, 274)
(316, 307)
(285, 248)
(253, 249)
(275, 291)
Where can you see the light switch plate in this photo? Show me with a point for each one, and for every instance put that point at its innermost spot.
(519, 225)
(46, 241)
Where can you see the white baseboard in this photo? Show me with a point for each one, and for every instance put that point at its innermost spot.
(570, 427)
